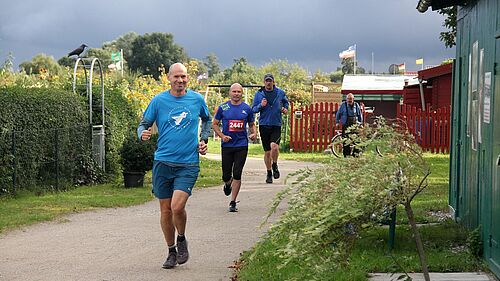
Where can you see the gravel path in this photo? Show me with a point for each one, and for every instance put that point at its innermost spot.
(127, 244)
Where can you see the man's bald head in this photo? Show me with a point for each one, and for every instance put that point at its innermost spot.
(177, 66)
(350, 99)
(236, 86)
(178, 78)
(235, 93)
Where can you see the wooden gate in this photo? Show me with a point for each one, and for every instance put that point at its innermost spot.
(312, 127)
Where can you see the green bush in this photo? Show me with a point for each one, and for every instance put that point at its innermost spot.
(138, 155)
(42, 131)
(120, 121)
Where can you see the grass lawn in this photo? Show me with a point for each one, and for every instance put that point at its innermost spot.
(27, 208)
(444, 242)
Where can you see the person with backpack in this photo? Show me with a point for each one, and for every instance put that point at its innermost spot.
(349, 114)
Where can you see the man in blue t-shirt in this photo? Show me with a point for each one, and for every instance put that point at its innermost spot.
(176, 165)
(270, 102)
(235, 115)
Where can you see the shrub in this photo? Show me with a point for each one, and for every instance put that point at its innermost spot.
(42, 131)
(137, 155)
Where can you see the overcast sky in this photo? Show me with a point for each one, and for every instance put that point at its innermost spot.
(309, 32)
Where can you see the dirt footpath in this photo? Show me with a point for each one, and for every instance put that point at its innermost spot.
(127, 244)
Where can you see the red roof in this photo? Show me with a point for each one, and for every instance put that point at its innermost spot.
(433, 72)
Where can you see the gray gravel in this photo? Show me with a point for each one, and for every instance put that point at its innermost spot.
(127, 243)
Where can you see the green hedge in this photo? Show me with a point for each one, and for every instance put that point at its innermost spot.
(120, 121)
(45, 136)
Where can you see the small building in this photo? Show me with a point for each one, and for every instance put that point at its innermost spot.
(475, 132)
(432, 89)
(380, 92)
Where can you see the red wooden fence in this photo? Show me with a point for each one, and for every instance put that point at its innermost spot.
(314, 128)
(431, 128)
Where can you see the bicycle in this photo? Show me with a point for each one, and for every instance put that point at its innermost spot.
(337, 144)
(338, 141)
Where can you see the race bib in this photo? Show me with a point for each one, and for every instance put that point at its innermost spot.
(236, 126)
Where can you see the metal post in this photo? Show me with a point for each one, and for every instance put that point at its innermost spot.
(121, 60)
(372, 64)
(392, 230)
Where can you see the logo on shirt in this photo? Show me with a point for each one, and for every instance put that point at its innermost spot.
(179, 117)
(225, 106)
(244, 112)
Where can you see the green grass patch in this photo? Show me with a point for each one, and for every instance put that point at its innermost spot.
(444, 243)
(27, 208)
(444, 247)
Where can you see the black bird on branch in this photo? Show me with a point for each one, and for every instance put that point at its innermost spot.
(78, 51)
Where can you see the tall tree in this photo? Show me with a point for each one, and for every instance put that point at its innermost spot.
(8, 64)
(41, 63)
(124, 43)
(241, 71)
(66, 61)
(212, 64)
(151, 50)
(103, 55)
(348, 66)
(450, 22)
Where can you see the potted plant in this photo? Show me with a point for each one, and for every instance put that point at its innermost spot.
(136, 158)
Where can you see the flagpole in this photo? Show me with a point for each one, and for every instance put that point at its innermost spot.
(355, 58)
(121, 61)
(372, 63)
(422, 63)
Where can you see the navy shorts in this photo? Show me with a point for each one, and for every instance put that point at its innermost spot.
(167, 178)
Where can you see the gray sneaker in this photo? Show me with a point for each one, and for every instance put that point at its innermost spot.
(182, 252)
(171, 260)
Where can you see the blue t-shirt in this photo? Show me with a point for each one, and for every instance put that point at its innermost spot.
(177, 119)
(234, 122)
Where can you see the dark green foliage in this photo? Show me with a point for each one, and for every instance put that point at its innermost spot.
(449, 37)
(138, 155)
(151, 50)
(475, 244)
(120, 121)
(43, 131)
(41, 63)
(67, 62)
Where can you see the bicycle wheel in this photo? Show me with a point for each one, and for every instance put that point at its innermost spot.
(336, 145)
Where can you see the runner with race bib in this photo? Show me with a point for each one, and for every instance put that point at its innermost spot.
(235, 115)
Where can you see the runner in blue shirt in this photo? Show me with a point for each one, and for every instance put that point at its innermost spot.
(270, 102)
(235, 115)
(176, 166)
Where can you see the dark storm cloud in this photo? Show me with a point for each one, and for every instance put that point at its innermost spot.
(308, 32)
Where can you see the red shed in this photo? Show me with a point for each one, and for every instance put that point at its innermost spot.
(435, 85)
(381, 92)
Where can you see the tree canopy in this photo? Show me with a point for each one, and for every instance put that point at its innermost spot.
(450, 22)
(151, 50)
(41, 63)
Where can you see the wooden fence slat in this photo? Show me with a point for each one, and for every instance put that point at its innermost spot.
(315, 128)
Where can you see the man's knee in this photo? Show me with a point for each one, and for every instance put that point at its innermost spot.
(166, 210)
(178, 208)
(275, 146)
